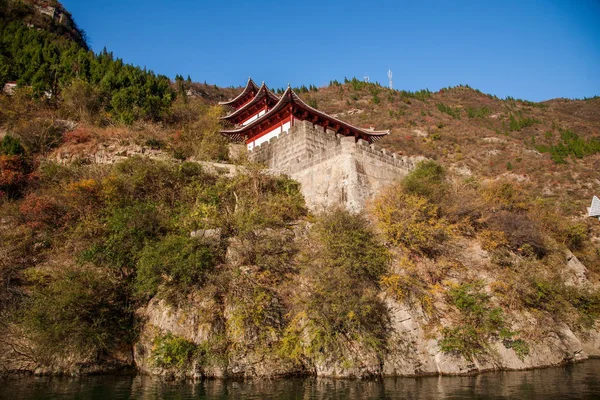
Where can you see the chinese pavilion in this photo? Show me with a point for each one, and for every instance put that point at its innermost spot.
(258, 115)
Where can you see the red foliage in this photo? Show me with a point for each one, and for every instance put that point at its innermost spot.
(79, 135)
(12, 171)
(13, 175)
(40, 211)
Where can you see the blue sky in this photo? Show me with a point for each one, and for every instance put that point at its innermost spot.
(528, 49)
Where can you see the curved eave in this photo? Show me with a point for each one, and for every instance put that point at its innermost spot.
(285, 98)
(249, 87)
(290, 97)
(262, 92)
(373, 135)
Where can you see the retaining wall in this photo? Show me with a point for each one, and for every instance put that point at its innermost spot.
(333, 169)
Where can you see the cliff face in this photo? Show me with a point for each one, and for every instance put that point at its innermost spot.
(414, 336)
(413, 346)
(240, 325)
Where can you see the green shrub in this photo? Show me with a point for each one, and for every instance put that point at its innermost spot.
(170, 351)
(80, 310)
(349, 244)
(341, 265)
(177, 262)
(422, 95)
(587, 302)
(127, 230)
(478, 112)
(576, 235)
(542, 294)
(519, 346)
(453, 112)
(479, 322)
(261, 201)
(463, 340)
(11, 146)
(517, 123)
(427, 180)
(571, 145)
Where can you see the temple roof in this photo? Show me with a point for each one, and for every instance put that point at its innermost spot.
(291, 102)
(250, 89)
(246, 110)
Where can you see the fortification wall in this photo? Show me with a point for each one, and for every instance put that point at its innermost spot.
(332, 169)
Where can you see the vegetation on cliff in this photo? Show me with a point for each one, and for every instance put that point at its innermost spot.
(473, 240)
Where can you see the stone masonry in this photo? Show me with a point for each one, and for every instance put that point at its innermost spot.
(332, 169)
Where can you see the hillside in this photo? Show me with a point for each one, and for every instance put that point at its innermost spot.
(552, 148)
(132, 238)
(48, 15)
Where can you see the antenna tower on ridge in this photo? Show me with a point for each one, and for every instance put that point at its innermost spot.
(390, 78)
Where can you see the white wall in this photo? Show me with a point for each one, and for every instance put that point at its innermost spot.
(254, 117)
(271, 134)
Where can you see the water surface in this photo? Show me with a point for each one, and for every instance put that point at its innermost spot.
(577, 381)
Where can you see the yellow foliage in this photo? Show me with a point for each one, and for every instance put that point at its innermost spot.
(492, 239)
(83, 187)
(505, 195)
(411, 221)
(394, 285)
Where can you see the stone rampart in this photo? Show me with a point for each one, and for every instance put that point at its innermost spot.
(332, 169)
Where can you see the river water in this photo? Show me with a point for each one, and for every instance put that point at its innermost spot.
(577, 381)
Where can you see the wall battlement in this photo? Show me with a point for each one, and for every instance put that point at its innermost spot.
(332, 169)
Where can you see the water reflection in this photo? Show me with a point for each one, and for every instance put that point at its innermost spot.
(580, 381)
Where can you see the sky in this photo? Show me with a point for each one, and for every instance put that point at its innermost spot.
(534, 50)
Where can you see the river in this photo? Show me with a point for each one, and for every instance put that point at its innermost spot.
(576, 381)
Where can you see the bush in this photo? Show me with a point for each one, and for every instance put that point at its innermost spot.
(171, 351)
(83, 101)
(411, 221)
(41, 211)
(505, 196)
(341, 265)
(427, 180)
(11, 146)
(177, 262)
(516, 124)
(571, 145)
(522, 233)
(478, 112)
(80, 310)
(347, 243)
(479, 322)
(127, 230)
(201, 138)
(260, 201)
(268, 249)
(13, 175)
(576, 235)
(39, 135)
(453, 112)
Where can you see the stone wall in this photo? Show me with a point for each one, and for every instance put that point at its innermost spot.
(333, 169)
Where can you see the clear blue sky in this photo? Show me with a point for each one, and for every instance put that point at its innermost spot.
(534, 50)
